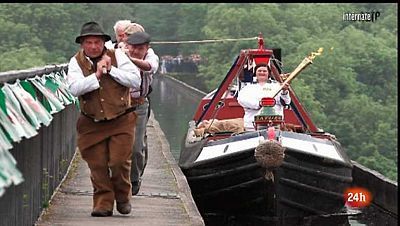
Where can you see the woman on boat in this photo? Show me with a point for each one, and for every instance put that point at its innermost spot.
(250, 96)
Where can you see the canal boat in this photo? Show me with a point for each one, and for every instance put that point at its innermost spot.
(287, 167)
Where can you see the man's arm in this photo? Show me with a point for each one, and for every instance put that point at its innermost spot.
(127, 73)
(153, 60)
(78, 84)
(142, 64)
(150, 62)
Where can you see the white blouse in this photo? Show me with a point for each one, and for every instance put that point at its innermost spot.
(250, 96)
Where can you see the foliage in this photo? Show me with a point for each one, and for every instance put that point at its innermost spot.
(23, 57)
(162, 24)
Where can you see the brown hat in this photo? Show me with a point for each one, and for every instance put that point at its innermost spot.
(138, 38)
(94, 29)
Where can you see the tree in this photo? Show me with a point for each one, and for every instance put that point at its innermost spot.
(162, 25)
(23, 57)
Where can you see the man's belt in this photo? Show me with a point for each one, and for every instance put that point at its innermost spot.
(137, 101)
(108, 120)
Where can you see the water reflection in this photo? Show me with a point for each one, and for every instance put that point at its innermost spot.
(174, 106)
(173, 109)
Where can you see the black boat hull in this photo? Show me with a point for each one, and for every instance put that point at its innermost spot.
(235, 184)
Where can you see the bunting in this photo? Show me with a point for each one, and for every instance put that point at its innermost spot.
(22, 114)
(51, 102)
(36, 112)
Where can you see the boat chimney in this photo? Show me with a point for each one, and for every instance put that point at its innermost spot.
(260, 41)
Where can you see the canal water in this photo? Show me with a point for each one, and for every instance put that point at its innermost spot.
(173, 108)
(174, 105)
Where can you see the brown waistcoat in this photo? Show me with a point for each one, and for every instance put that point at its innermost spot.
(110, 100)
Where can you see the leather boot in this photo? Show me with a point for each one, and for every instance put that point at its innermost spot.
(124, 207)
(101, 213)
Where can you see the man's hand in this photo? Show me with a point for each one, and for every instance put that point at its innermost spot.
(103, 66)
(99, 71)
(107, 60)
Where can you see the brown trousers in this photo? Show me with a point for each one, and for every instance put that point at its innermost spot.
(107, 149)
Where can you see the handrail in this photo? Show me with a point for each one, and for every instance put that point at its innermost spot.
(42, 159)
(11, 76)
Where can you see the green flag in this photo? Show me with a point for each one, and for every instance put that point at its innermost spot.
(51, 85)
(50, 100)
(3, 101)
(29, 88)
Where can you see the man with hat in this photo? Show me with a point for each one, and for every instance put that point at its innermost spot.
(102, 78)
(140, 53)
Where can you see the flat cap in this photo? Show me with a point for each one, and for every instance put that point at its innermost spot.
(138, 38)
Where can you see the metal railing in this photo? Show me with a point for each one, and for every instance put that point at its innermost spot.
(43, 159)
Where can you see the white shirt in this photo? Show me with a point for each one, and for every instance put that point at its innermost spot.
(109, 44)
(153, 60)
(126, 73)
(250, 96)
(151, 57)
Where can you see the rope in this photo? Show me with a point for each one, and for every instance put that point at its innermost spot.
(216, 109)
(205, 41)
